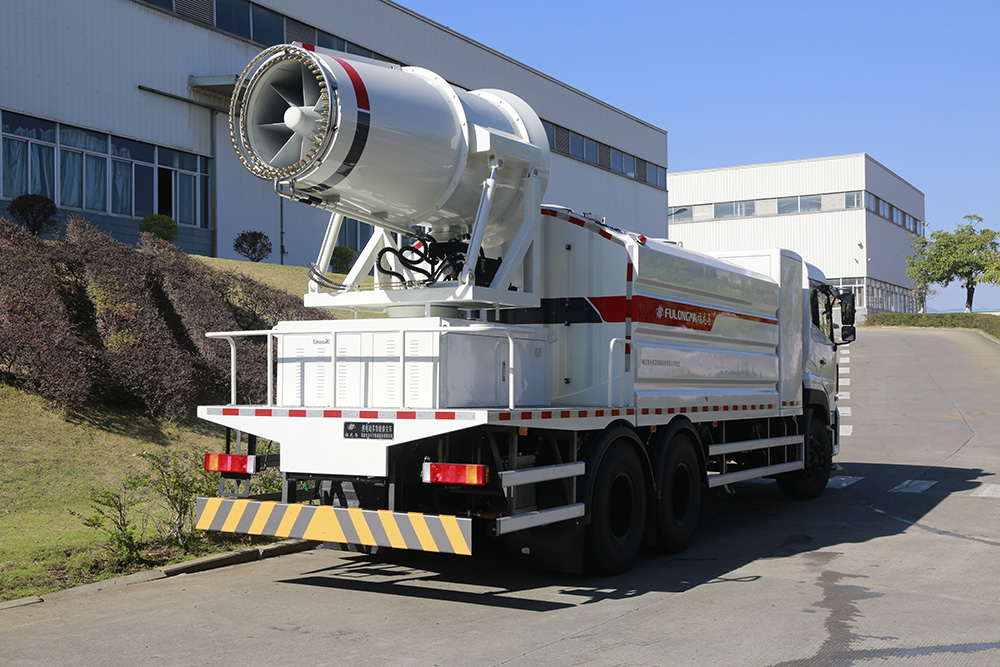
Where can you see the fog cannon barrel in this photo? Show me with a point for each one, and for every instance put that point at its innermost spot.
(396, 143)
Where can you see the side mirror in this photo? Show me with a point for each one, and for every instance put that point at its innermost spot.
(847, 333)
(847, 308)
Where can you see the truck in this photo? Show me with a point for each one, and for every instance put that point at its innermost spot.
(536, 376)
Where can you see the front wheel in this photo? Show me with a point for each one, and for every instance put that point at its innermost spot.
(618, 510)
(809, 482)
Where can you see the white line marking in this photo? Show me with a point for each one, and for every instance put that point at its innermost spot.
(913, 486)
(845, 411)
(846, 430)
(844, 370)
(987, 491)
(845, 381)
(842, 481)
(843, 395)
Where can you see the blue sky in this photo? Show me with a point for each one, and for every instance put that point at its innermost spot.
(916, 85)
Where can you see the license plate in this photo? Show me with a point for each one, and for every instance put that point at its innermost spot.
(370, 430)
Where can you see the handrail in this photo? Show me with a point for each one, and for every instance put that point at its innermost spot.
(271, 334)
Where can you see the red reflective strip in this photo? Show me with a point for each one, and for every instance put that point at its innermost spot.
(525, 415)
(715, 408)
(546, 415)
(444, 415)
(615, 413)
(296, 413)
(725, 408)
(505, 416)
(565, 414)
(406, 415)
(628, 272)
(659, 411)
(605, 233)
(230, 412)
(630, 411)
(645, 411)
(360, 92)
(549, 211)
(683, 410)
(670, 411)
(598, 413)
(582, 414)
(308, 47)
(369, 414)
(262, 412)
(332, 413)
(577, 221)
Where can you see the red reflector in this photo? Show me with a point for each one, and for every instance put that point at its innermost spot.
(238, 463)
(455, 473)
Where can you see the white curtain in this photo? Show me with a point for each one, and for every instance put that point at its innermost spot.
(121, 187)
(15, 168)
(96, 183)
(70, 178)
(43, 170)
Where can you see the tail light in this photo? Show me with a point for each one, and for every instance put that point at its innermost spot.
(455, 473)
(233, 463)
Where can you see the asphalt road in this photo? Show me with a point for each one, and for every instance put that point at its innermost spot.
(896, 563)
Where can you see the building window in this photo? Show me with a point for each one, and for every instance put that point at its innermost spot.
(233, 16)
(617, 163)
(680, 214)
(725, 210)
(576, 145)
(268, 27)
(629, 164)
(327, 41)
(744, 209)
(810, 203)
(788, 205)
(550, 133)
(590, 152)
(28, 156)
(852, 199)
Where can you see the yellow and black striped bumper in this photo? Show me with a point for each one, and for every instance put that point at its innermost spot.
(345, 525)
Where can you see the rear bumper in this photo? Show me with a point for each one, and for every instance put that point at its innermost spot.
(399, 530)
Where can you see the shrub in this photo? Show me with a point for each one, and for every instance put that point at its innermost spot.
(39, 349)
(342, 258)
(140, 352)
(253, 245)
(116, 515)
(35, 213)
(987, 323)
(159, 225)
(176, 479)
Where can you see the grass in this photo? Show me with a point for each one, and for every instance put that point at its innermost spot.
(49, 462)
(291, 279)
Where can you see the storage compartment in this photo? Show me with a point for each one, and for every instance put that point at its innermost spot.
(411, 364)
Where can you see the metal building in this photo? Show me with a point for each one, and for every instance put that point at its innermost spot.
(116, 109)
(848, 215)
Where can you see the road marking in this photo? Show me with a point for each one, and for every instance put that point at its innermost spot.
(846, 430)
(913, 486)
(987, 491)
(843, 395)
(845, 381)
(844, 370)
(842, 481)
(845, 411)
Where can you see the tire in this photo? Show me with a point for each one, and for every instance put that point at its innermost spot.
(679, 504)
(811, 481)
(618, 510)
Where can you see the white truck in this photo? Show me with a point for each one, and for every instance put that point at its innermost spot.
(539, 375)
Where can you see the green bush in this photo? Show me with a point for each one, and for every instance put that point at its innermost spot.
(986, 323)
(342, 258)
(162, 226)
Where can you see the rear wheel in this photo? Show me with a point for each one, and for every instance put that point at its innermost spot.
(811, 481)
(679, 504)
(618, 510)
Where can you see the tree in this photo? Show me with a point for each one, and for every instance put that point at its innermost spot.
(968, 255)
(253, 245)
(35, 213)
(162, 226)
